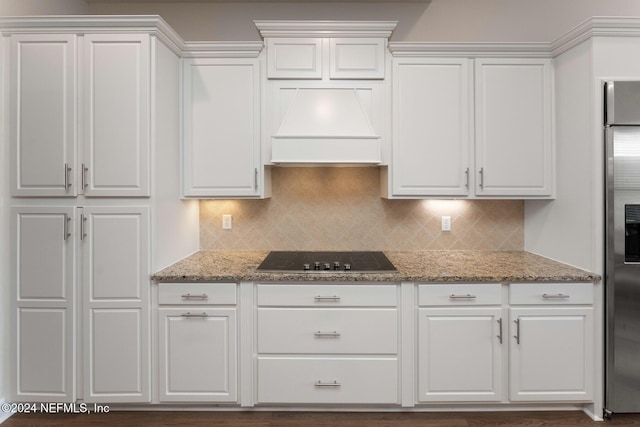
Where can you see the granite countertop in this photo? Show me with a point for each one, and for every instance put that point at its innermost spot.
(412, 266)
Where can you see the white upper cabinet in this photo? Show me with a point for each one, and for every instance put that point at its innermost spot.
(116, 115)
(42, 118)
(357, 58)
(332, 57)
(294, 58)
(514, 140)
(431, 132)
(221, 125)
(471, 127)
(111, 116)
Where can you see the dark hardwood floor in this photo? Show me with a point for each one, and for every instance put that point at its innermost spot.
(318, 419)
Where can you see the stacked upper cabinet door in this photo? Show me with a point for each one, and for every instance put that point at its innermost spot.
(42, 125)
(116, 115)
(96, 144)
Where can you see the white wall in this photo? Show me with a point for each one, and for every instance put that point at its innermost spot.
(563, 229)
(438, 20)
(43, 7)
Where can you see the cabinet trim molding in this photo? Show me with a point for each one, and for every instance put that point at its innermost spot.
(268, 28)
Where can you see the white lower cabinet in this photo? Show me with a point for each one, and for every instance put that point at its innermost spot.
(327, 344)
(42, 304)
(197, 341)
(460, 344)
(109, 248)
(115, 296)
(463, 337)
(552, 346)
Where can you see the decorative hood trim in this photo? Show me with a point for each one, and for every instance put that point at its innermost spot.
(326, 125)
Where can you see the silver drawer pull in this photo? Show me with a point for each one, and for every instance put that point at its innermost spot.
(190, 315)
(189, 296)
(555, 296)
(321, 334)
(321, 298)
(331, 384)
(467, 296)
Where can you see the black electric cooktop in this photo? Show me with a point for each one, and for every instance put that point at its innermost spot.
(357, 262)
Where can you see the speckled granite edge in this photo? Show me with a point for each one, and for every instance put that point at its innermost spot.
(412, 266)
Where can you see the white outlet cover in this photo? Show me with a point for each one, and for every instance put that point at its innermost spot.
(227, 222)
(446, 223)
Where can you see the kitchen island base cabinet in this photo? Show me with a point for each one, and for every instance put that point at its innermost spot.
(299, 380)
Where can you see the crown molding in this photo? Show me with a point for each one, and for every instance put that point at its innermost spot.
(222, 49)
(598, 26)
(89, 24)
(325, 28)
(470, 50)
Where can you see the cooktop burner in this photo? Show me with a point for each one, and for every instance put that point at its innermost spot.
(358, 262)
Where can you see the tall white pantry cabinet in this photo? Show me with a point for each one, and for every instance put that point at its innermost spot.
(93, 129)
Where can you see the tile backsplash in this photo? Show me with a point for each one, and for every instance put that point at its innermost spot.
(317, 208)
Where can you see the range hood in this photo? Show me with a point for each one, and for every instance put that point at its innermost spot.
(326, 126)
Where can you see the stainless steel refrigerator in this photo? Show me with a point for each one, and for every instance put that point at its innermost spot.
(622, 266)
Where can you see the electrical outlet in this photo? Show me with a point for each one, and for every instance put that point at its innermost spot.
(446, 223)
(227, 222)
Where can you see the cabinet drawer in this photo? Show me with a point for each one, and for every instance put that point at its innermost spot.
(327, 295)
(551, 293)
(328, 380)
(331, 330)
(197, 293)
(460, 294)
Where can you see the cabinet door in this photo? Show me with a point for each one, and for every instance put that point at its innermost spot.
(551, 354)
(42, 122)
(116, 115)
(221, 127)
(431, 127)
(357, 58)
(293, 58)
(514, 140)
(460, 354)
(115, 265)
(42, 336)
(197, 354)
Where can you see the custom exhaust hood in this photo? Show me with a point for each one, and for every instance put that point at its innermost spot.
(326, 91)
(326, 126)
